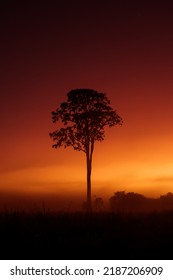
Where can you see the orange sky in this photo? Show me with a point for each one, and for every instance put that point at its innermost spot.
(123, 50)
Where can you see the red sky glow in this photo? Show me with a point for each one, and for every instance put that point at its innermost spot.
(122, 48)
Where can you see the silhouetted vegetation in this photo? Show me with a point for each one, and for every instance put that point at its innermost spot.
(134, 202)
(84, 117)
(79, 235)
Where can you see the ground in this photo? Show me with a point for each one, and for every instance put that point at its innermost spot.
(82, 236)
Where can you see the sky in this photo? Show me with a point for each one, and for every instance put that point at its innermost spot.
(121, 48)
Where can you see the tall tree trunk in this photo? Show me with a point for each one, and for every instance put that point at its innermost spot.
(89, 202)
(89, 155)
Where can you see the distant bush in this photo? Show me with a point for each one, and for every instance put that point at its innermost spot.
(134, 202)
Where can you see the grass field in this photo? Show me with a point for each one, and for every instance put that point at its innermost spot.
(82, 236)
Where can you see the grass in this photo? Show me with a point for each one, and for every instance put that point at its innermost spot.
(81, 236)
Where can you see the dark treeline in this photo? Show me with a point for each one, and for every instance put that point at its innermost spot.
(135, 202)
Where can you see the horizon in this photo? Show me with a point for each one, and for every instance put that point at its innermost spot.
(24, 201)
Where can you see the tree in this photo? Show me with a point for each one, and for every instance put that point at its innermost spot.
(84, 116)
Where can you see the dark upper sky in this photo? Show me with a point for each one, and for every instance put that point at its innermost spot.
(45, 39)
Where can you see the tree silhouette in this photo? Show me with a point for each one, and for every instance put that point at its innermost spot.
(84, 116)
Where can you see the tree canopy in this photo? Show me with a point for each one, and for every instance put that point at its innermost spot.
(84, 116)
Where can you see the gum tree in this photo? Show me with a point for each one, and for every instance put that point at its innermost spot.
(83, 117)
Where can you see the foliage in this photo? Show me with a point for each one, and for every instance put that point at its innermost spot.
(135, 202)
(84, 116)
